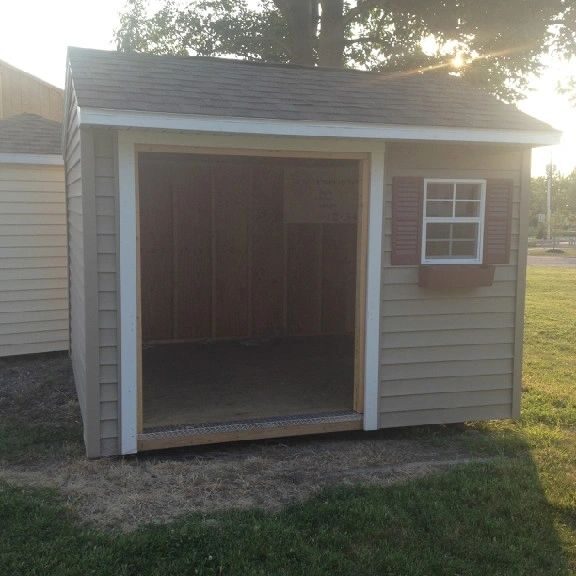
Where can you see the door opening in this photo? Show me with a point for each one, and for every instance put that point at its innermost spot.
(251, 296)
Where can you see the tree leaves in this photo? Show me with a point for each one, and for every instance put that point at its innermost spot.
(502, 40)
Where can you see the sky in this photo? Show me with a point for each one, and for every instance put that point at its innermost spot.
(34, 35)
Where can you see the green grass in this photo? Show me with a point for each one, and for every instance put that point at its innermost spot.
(514, 515)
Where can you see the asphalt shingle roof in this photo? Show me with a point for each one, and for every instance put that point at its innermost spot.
(30, 134)
(232, 88)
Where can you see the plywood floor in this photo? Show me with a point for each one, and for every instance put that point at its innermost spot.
(198, 383)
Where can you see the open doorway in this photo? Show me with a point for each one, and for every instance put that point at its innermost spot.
(251, 277)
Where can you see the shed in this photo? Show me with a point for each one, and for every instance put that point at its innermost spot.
(33, 262)
(23, 93)
(263, 250)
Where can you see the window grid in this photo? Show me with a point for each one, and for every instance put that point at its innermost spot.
(453, 219)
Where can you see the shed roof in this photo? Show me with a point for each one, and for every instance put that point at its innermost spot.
(30, 134)
(232, 88)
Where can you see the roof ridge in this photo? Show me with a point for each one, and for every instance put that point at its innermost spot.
(31, 115)
(265, 64)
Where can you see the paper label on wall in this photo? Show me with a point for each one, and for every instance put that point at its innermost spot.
(320, 195)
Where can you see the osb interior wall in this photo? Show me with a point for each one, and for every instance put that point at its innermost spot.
(239, 247)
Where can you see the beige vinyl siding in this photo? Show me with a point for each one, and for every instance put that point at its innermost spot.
(108, 345)
(21, 92)
(447, 356)
(76, 271)
(33, 271)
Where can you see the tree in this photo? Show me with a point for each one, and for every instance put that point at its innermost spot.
(499, 40)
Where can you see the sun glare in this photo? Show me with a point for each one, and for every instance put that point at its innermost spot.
(458, 61)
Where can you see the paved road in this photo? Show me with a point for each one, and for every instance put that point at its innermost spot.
(556, 261)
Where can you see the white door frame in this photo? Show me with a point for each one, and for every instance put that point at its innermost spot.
(128, 140)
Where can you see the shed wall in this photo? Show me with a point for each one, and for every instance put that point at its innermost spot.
(21, 92)
(448, 356)
(75, 213)
(33, 271)
(445, 357)
(106, 196)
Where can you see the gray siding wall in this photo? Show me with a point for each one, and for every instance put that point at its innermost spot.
(448, 356)
(107, 299)
(75, 211)
(92, 196)
(445, 357)
(33, 272)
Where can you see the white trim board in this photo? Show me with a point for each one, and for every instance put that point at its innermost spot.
(128, 295)
(128, 140)
(373, 291)
(308, 128)
(43, 159)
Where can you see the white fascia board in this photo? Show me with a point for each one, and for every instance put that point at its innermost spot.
(233, 125)
(44, 159)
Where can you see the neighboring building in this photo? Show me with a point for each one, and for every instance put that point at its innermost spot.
(266, 250)
(22, 93)
(33, 261)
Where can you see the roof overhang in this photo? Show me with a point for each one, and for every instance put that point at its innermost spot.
(44, 159)
(309, 128)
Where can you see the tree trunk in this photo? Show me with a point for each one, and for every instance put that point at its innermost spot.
(331, 39)
(302, 19)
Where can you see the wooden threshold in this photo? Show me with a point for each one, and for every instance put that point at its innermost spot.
(248, 430)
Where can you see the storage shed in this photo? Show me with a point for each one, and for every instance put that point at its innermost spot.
(23, 93)
(33, 263)
(262, 250)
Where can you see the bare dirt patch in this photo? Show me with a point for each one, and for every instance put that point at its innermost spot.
(128, 492)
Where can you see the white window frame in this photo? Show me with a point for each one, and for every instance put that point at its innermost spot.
(454, 220)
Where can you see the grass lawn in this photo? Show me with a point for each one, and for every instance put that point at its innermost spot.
(513, 514)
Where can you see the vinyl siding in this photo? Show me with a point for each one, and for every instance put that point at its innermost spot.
(75, 214)
(108, 341)
(447, 356)
(21, 92)
(33, 272)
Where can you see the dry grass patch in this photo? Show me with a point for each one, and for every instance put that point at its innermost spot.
(37, 399)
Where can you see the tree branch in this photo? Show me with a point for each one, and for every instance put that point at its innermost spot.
(283, 6)
(359, 9)
(362, 40)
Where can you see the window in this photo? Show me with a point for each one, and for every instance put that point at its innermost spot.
(453, 225)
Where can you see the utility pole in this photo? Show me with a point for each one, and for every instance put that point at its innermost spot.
(548, 200)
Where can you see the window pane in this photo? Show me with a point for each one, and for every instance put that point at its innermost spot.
(437, 248)
(451, 241)
(464, 248)
(465, 231)
(436, 209)
(438, 231)
(468, 209)
(468, 191)
(440, 190)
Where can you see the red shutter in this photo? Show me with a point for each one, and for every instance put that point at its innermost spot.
(407, 195)
(498, 221)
